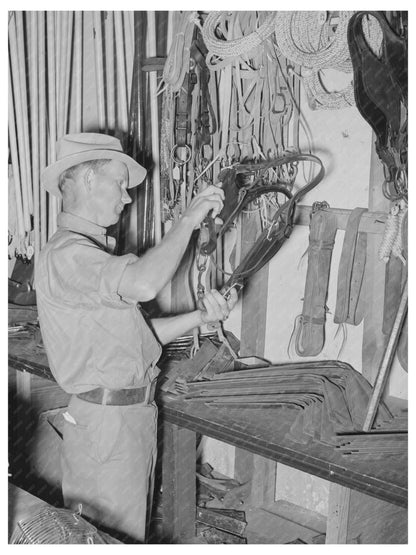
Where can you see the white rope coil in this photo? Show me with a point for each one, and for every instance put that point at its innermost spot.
(305, 39)
(214, 35)
(320, 98)
(318, 40)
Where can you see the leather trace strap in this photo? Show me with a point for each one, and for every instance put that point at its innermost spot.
(349, 307)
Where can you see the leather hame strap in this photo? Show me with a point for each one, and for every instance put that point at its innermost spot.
(310, 331)
(350, 303)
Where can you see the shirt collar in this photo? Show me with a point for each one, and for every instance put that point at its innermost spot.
(76, 223)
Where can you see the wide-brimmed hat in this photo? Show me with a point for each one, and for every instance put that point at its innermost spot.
(75, 148)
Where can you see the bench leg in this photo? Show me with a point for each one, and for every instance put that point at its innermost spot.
(338, 512)
(178, 483)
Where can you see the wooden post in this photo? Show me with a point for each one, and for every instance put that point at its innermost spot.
(179, 483)
(154, 115)
(253, 337)
(122, 103)
(338, 513)
(42, 125)
(34, 113)
(109, 71)
(20, 30)
(53, 204)
(99, 70)
(78, 72)
(15, 163)
(386, 361)
(373, 339)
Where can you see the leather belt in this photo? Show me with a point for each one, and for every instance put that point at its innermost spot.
(102, 396)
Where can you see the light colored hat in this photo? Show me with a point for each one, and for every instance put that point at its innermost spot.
(81, 147)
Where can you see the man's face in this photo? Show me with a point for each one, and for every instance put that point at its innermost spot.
(109, 192)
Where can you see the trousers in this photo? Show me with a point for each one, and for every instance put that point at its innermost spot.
(108, 459)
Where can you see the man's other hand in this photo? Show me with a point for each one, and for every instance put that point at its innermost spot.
(216, 307)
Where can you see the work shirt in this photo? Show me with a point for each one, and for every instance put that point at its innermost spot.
(92, 335)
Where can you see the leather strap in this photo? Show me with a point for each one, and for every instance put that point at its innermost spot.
(348, 308)
(120, 397)
(310, 336)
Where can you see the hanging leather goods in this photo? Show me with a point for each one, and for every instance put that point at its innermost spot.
(380, 91)
(280, 225)
(20, 284)
(350, 303)
(309, 333)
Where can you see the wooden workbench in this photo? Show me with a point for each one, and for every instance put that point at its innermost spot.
(262, 432)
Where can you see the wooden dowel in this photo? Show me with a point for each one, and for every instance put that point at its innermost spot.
(77, 73)
(128, 18)
(99, 70)
(154, 116)
(70, 27)
(61, 23)
(53, 205)
(20, 29)
(371, 222)
(386, 362)
(42, 124)
(21, 145)
(110, 69)
(122, 103)
(15, 164)
(34, 114)
(169, 31)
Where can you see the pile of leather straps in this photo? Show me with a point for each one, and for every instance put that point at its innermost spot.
(330, 400)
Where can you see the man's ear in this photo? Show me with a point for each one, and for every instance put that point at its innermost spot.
(89, 179)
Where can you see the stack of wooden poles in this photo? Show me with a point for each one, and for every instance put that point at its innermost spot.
(51, 75)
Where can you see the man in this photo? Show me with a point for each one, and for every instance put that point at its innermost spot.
(99, 347)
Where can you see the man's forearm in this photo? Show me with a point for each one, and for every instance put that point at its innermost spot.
(168, 329)
(144, 279)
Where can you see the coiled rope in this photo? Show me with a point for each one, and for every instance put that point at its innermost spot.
(313, 41)
(303, 38)
(222, 50)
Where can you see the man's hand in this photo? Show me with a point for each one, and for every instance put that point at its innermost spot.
(216, 308)
(212, 198)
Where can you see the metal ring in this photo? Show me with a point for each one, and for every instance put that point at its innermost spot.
(177, 160)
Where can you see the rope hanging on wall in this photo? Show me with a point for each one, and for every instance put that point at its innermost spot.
(222, 50)
(318, 41)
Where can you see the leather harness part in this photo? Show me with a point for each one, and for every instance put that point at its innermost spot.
(380, 86)
(120, 397)
(310, 332)
(271, 239)
(350, 307)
